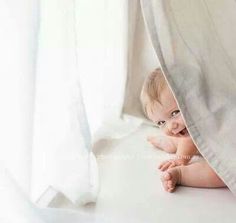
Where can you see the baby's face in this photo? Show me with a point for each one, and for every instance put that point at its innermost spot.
(167, 115)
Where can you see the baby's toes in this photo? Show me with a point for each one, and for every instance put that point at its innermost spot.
(166, 176)
(168, 182)
(170, 185)
(170, 190)
(164, 182)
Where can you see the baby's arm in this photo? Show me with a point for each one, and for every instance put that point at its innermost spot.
(163, 142)
(185, 151)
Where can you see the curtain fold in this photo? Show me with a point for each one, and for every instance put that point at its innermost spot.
(142, 59)
(195, 42)
(64, 71)
(62, 159)
(19, 24)
(117, 44)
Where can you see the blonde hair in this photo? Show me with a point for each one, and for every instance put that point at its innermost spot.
(151, 90)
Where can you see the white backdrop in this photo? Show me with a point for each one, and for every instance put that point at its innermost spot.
(51, 52)
(19, 24)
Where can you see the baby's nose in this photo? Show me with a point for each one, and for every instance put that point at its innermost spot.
(173, 126)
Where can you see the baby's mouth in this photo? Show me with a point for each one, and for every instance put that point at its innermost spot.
(184, 132)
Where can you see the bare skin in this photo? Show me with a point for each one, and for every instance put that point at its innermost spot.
(165, 143)
(167, 116)
(183, 148)
(178, 171)
(198, 174)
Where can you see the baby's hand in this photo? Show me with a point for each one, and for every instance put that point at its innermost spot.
(172, 163)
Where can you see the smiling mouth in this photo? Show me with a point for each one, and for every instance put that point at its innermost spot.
(184, 132)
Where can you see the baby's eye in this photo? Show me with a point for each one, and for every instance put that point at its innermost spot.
(175, 112)
(160, 124)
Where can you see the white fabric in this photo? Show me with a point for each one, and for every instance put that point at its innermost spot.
(18, 28)
(195, 42)
(142, 60)
(17, 208)
(103, 59)
(61, 157)
(131, 190)
(48, 56)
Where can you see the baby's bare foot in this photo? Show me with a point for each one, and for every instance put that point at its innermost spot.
(171, 178)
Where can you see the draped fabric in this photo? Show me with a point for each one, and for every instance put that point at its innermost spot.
(62, 89)
(71, 73)
(195, 43)
(61, 155)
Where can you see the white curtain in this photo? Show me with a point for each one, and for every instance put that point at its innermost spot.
(64, 68)
(19, 26)
(195, 43)
(45, 136)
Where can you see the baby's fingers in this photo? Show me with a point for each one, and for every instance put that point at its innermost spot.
(165, 166)
(172, 165)
(162, 164)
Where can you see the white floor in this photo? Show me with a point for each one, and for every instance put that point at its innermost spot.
(131, 190)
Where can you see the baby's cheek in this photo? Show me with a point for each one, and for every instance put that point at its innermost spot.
(166, 132)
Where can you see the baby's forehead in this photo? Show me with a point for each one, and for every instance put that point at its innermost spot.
(155, 109)
(159, 110)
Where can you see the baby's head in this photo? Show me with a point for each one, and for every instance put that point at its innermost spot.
(159, 105)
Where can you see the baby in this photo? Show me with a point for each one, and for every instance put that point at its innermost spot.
(161, 108)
